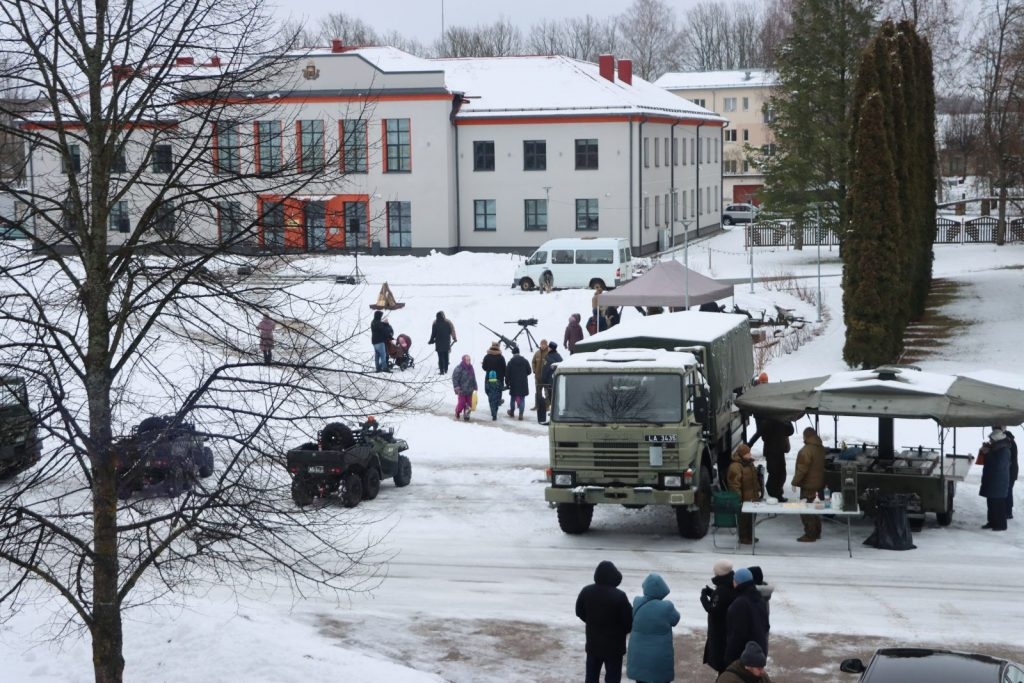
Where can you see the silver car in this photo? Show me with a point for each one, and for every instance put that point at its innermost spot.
(739, 213)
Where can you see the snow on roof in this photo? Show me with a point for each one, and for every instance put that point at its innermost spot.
(697, 326)
(707, 80)
(555, 86)
(618, 358)
(906, 380)
(384, 57)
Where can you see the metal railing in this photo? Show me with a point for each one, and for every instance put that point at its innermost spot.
(784, 232)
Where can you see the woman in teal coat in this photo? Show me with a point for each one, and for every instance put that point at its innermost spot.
(651, 658)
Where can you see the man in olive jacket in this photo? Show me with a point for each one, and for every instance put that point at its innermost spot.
(607, 613)
(810, 477)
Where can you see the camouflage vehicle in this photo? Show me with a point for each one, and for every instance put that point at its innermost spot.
(161, 457)
(353, 463)
(20, 445)
(643, 413)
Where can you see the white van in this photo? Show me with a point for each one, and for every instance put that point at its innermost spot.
(577, 262)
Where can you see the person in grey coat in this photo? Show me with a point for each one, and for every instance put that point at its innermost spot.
(651, 656)
(995, 479)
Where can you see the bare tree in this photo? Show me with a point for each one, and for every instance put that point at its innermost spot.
(745, 30)
(128, 301)
(961, 135)
(500, 39)
(587, 37)
(706, 38)
(999, 56)
(548, 37)
(650, 35)
(938, 21)
(351, 31)
(775, 27)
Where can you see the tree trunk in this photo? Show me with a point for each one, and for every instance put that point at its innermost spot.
(1001, 226)
(107, 635)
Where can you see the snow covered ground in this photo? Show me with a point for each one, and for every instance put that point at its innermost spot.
(481, 582)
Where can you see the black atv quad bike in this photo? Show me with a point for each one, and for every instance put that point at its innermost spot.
(161, 458)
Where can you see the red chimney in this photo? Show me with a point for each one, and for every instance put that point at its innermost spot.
(214, 61)
(626, 71)
(606, 65)
(184, 61)
(337, 45)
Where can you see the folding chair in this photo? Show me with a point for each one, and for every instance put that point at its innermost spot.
(725, 511)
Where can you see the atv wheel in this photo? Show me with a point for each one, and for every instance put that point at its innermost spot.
(336, 436)
(694, 522)
(574, 518)
(302, 494)
(403, 471)
(371, 483)
(353, 492)
(175, 482)
(205, 463)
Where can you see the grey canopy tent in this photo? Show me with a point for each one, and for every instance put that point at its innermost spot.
(667, 284)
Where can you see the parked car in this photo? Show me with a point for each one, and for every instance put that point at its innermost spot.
(925, 665)
(739, 213)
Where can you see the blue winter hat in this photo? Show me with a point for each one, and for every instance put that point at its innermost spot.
(742, 575)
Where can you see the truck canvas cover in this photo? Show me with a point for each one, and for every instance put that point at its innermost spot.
(726, 338)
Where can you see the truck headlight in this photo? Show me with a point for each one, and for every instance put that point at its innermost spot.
(672, 481)
(562, 479)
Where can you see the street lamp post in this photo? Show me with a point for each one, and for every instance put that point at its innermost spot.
(817, 215)
(686, 261)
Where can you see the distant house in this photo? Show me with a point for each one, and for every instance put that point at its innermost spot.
(409, 154)
(742, 97)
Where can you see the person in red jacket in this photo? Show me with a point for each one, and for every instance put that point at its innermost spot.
(573, 333)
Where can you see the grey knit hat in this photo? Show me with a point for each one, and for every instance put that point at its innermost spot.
(753, 656)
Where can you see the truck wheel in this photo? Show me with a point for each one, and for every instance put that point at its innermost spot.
(353, 490)
(574, 518)
(302, 494)
(403, 471)
(205, 462)
(694, 522)
(371, 483)
(337, 436)
(526, 284)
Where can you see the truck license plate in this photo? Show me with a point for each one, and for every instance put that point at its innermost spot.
(661, 438)
(316, 469)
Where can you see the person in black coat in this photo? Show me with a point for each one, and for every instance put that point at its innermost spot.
(609, 618)
(380, 334)
(747, 617)
(1014, 468)
(775, 436)
(546, 378)
(517, 378)
(442, 336)
(716, 602)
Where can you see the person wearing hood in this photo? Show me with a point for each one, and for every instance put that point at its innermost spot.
(810, 478)
(517, 378)
(716, 603)
(573, 333)
(537, 363)
(609, 618)
(651, 656)
(995, 479)
(747, 617)
(749, 668)
(442, 336)
(380, 333)
(551, 361)
(464, 381)
(266, 329)
(494, 361)
(742, 479)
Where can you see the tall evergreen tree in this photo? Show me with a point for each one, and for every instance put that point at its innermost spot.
(812, 104)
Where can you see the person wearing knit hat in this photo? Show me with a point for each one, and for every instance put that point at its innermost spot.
(749, 668)
(494, 362)
(747, 617)
(716, 602)
(552, 346)
(995, 479)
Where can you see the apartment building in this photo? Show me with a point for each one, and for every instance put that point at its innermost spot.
(373, 147)
(741, 97)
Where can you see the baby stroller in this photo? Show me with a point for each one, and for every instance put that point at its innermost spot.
(398, 352)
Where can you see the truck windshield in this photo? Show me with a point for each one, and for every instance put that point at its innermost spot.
(609, 397)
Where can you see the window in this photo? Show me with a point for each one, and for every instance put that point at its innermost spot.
(657, 210)
(70, 217)
(229, 221)
(667, 141)
(483, 155)
(746, 103)
(562, 257)
(729, 166)
(603, 257)
(746, 135)
(118, 218)
(729, 104)
(163, 160)
(225, 151)
(272, 222)
(683, 214)
(399, 224)
(684, 151)
(353, 144)
(485, 215)
(668, 218)
(357, 223)
(768, 150)
(769, 115)
(72, 161)
(164, 220)
(586, 155)
(311, 146)
(647, 153)
(647, 212)
(657, 152)
(536, 214)
(693, 204)
(675, 206)
(707, 156)
(535, 155)
(746, 166)
(675, 152)
(397, 146)
(268, 146)
(699, 101)
(119, 164)
(730, 135)
(586, 214)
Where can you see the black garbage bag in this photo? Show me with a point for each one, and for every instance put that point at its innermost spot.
(892, 528)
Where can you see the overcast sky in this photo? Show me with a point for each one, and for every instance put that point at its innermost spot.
(421, 19)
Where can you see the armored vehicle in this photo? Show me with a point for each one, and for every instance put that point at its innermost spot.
(352, 463)
(161, 457)
(642, 413)
(20, 445)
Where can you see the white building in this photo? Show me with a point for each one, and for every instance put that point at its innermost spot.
(349, 147)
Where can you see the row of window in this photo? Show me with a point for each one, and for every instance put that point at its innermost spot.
(161, 160)
(710, 151)
(729, 105)
(535, 155)
(535, 215)
(671, 203)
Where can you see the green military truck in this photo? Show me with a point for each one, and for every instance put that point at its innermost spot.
(642, 413)
(20, 445)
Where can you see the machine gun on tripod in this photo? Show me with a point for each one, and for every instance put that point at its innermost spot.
(524, 326)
